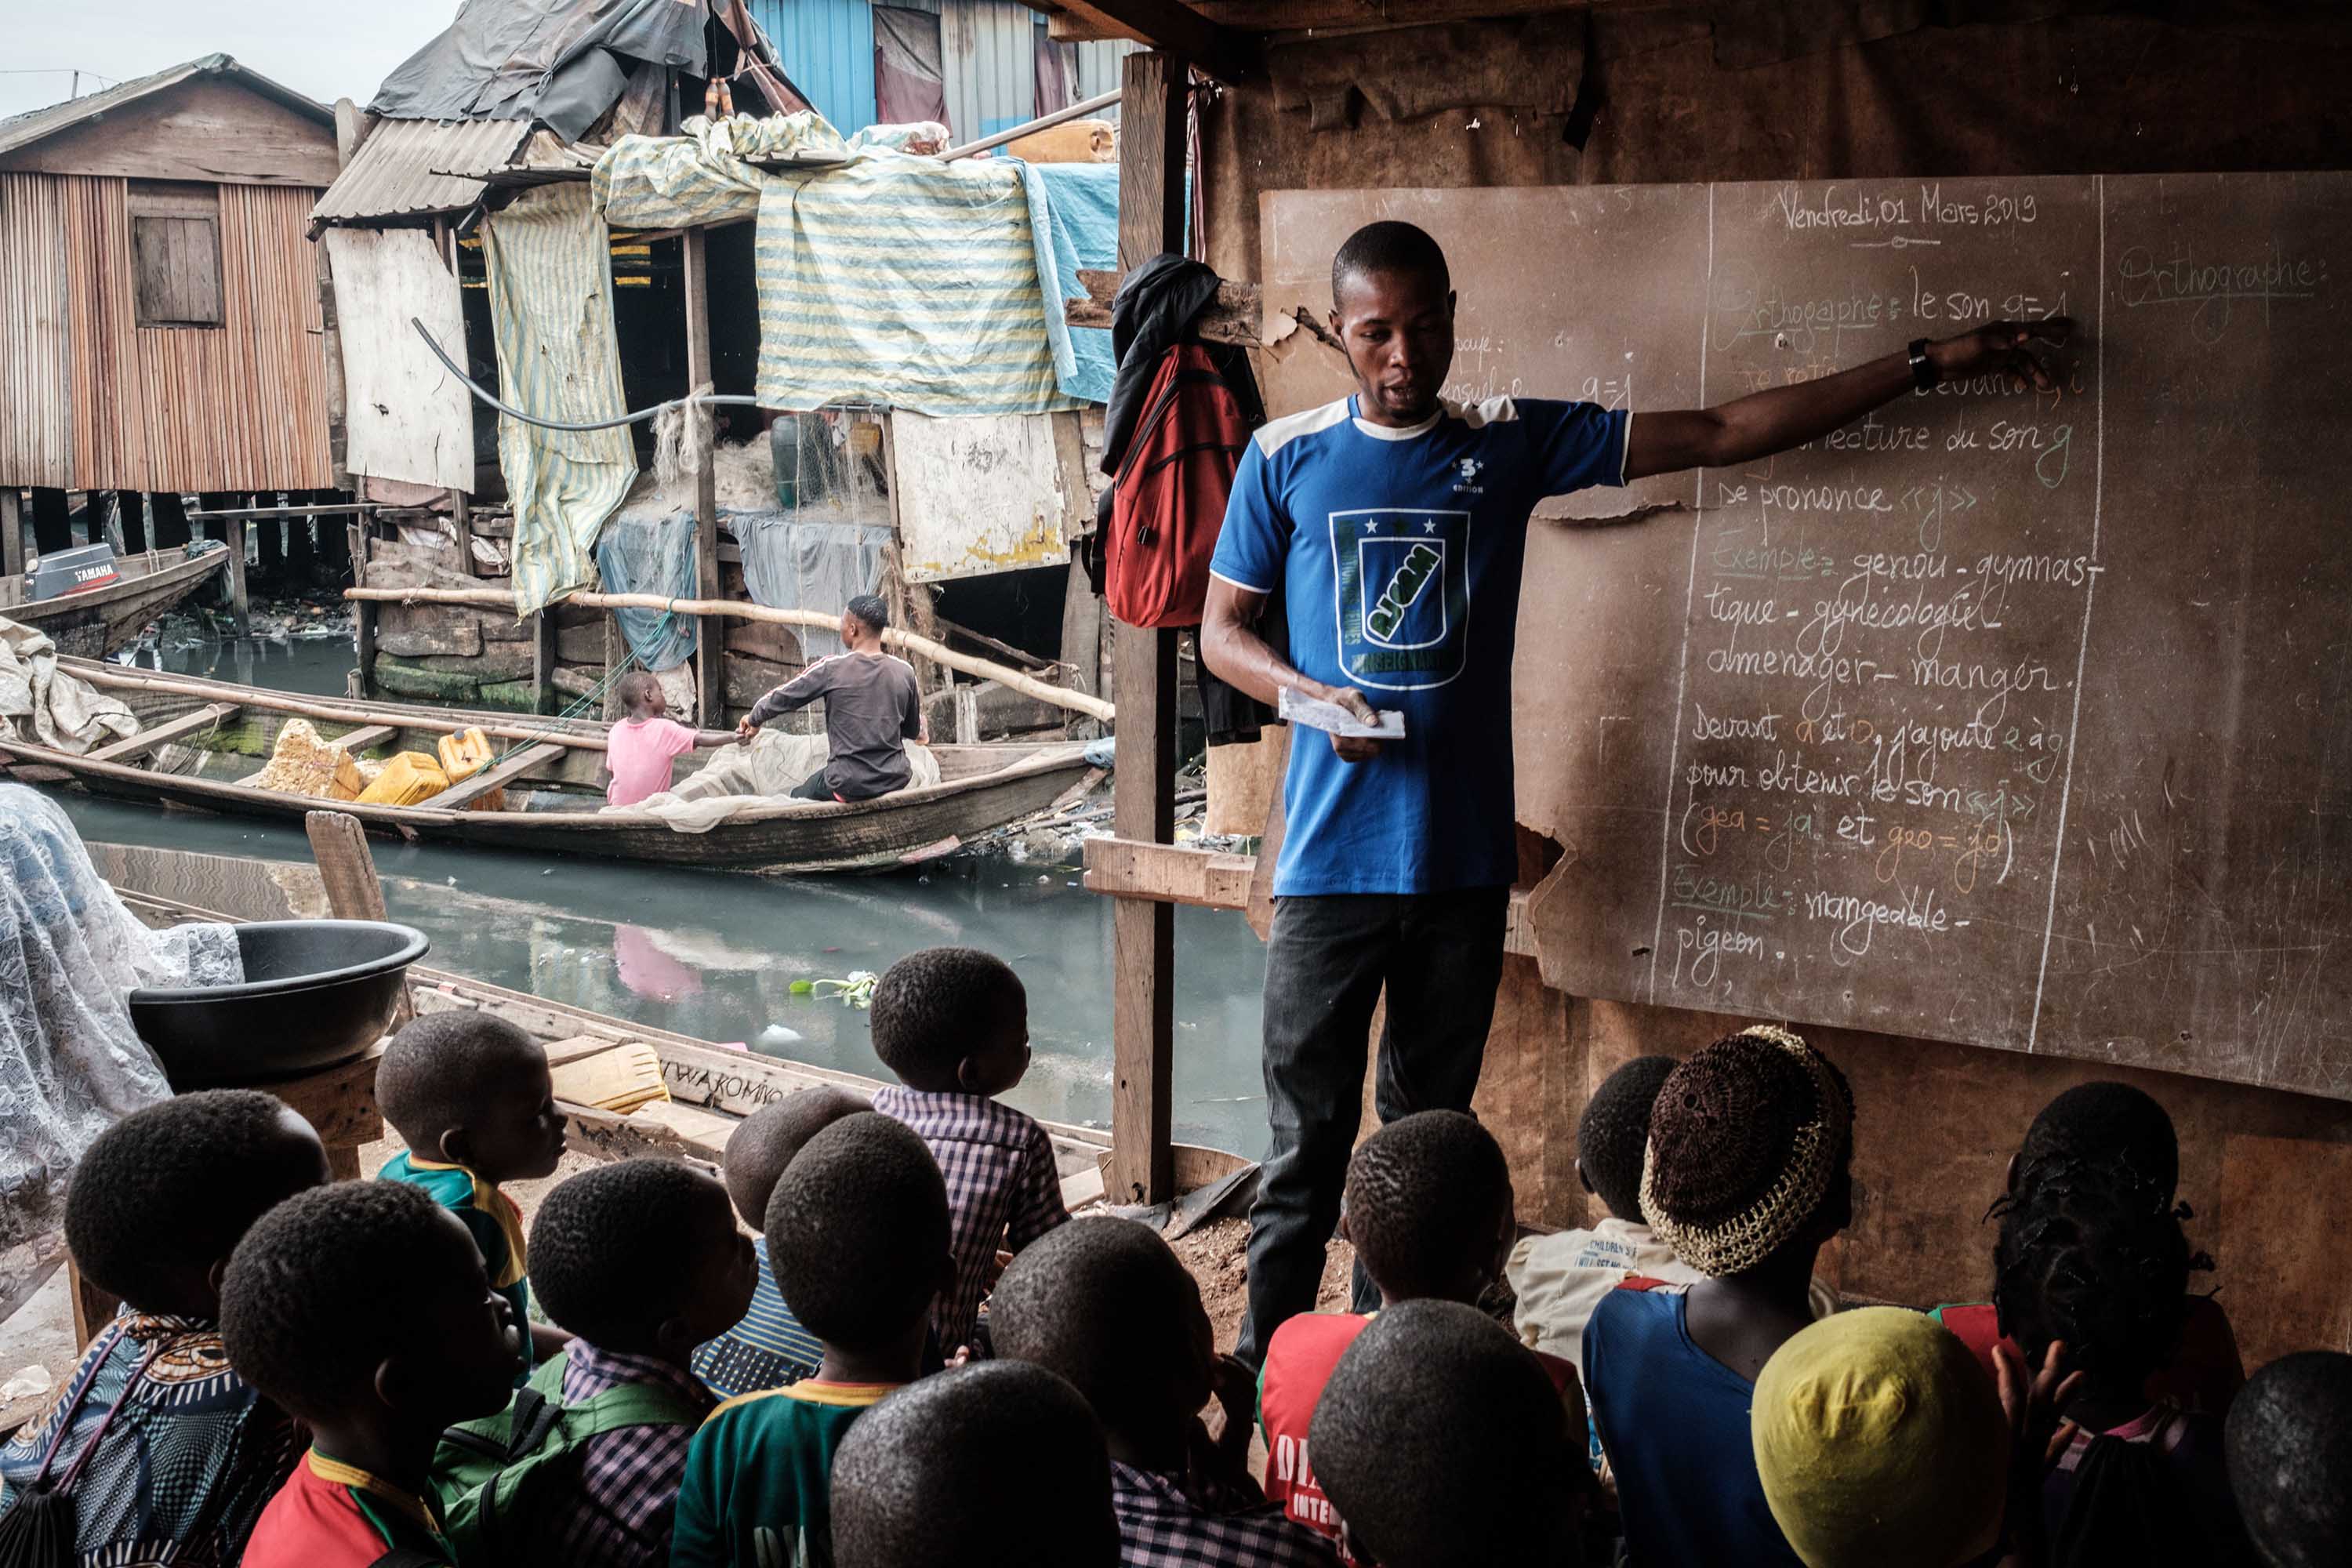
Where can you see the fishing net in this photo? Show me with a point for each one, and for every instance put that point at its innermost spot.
(70, 1063)
(822, 542)
(648, 551)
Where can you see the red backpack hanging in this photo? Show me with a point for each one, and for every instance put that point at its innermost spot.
(1169, 498)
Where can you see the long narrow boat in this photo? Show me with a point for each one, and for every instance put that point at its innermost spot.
(228, 731)
(99, 621)
(711, 1087)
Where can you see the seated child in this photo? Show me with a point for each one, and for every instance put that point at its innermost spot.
(997, 1465)
(1748, 1174)
(953, 1024)
(1444, 1445)
(2115, 1123)
(2092, 1256)
(641, 1260)
(1428, 1208)
(857, 1232)
(1877, 1442)
(1105, 1305)
(470, 1096)
(363, 1309)
(767, 1348)
(1559, 1279)
(2289, 1441)
(640, 747)
(190, 1451)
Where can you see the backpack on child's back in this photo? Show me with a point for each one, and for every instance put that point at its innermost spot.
(489, 1475)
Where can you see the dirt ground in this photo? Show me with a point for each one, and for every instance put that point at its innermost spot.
(1218, 1255)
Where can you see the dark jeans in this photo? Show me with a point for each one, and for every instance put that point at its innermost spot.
(1440, 956)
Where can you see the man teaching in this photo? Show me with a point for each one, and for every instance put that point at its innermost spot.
(1395, 524)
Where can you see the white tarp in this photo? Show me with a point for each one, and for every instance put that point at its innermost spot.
(60, 712)
(407, 418)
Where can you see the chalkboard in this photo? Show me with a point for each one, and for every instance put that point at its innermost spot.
(2021, 719)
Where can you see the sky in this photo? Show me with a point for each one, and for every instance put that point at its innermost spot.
(327, 48)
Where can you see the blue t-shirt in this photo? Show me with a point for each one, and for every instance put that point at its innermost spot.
(1398, 552)
(1674, 1423)
(767, 1349)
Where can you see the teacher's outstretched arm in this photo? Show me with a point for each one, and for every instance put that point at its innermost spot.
(1764, 423)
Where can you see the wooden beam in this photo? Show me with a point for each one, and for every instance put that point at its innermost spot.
(543, 661)
(1169, 25)
(709, 635)
(1169, 873)
(461, 526)
(12, 531)
(238, 603)
(1143, 932)
(282, 513)
(1235, 316)
(364, 636)
(458, 796)
(354, 742)
(347, 871)
(163, 734)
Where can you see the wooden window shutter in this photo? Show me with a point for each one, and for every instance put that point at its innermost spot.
(175, 254)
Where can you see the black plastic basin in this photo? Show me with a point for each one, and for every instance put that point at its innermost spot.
(315, 992)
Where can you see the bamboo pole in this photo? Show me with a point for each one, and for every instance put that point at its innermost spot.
(118, 679)
(938, 653)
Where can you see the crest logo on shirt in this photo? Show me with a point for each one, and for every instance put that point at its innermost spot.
(1403, 584)
(1469, 466)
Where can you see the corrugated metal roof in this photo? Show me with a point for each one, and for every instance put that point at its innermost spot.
(408, 167)
(38, 124)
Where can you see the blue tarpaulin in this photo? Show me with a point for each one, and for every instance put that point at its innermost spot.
(1074, 221)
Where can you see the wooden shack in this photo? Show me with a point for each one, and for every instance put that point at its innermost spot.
(160, 324)
(2221, 999)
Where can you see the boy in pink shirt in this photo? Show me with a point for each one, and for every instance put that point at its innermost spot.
(637, 761)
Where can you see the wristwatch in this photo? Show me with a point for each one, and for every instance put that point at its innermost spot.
(1923, 369)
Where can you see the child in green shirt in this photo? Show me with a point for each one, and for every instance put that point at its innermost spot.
(857, 1235)
(471, 1096)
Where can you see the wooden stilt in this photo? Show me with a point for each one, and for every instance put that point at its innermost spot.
(365, 638)
(131, 511)
(167, 521)
(709, 635)
(52, 524)
(1143, 933)
(543, 661)
(239, 603)
(12, 531)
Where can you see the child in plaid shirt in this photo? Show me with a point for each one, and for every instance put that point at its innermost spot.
(641, 1260)
(1105, 1304)
(953, 1024)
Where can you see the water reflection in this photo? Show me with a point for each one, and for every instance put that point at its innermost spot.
(714, 955)
(314, 666)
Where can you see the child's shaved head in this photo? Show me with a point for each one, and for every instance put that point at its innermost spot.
(759, 1150)
(467, 1089)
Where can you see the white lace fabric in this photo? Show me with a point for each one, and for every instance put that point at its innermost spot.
(70, 1063)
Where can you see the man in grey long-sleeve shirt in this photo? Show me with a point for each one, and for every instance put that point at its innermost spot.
(872, 709)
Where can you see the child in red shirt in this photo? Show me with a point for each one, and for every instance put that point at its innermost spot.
(1428, 1208)
(641, 747)
(362, 1308)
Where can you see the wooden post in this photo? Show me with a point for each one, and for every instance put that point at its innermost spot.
(354, 892)
(617, 654)
(12, 531)
(967, 714)
(461, 524)
(1144, 932)
(237, 603)
(709, 633)
(131, 510)
(543, 661)
(365, 632)
(52, 523)
(168, 516)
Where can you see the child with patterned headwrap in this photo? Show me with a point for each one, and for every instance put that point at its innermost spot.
(1748, 1173)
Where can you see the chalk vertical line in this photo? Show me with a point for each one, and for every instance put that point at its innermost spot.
(1690, 601)
(2090, 594)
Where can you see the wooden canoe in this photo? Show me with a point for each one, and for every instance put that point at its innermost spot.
(982, 787)
(99, 621)
(711, 1087)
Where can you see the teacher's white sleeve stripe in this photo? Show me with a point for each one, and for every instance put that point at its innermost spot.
(1625, 447)
(1245, 587)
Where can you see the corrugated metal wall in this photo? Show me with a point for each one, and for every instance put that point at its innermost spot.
(988, 48)
(36, 408)
(108, 405)
(827, 49)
